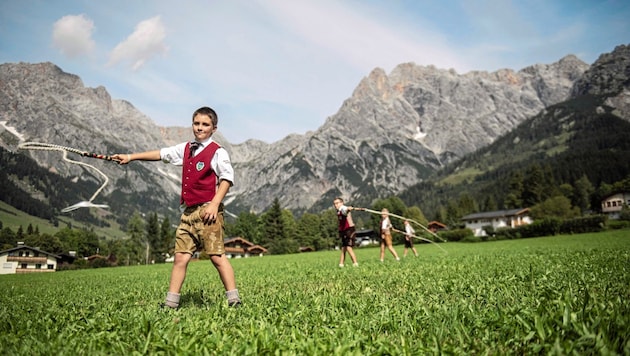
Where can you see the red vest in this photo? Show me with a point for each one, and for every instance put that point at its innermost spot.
(199, 181)
(344, 224)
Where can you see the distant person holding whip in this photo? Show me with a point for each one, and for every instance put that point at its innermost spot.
(409, 233)
(386, 235)
(346, 231)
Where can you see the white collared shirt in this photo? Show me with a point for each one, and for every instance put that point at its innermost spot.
(220, 162)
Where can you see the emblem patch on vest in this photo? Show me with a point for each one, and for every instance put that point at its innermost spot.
(200, 166)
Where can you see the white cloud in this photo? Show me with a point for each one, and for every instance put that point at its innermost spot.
(72, 35)
(359, 39)
(144, 43)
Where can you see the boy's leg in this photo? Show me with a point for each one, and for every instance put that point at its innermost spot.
(353, 256)
(342, 257)
(178, 275)
(391, 249)
(226, 273)
(388, 240)
(382, 250)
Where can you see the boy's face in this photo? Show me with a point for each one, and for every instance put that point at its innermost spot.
(202, 127)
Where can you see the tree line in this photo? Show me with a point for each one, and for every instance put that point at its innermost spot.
(150, 239)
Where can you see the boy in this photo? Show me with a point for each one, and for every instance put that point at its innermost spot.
(386, 235)
(207, 175)
(409, 233)
(346, 231)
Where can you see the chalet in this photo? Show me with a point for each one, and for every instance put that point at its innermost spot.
(613, 204)
(238, 247)
(435, 226)
(235, 247)
(26, 259)
(497, 219)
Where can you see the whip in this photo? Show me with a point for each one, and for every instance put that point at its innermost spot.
(402, 218)
(51, 147)
(420, 238)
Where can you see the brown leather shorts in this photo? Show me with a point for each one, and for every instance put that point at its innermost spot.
(387, 239)
(348, 238)
(194, 235)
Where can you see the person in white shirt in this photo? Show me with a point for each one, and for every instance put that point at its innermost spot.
(409, 233)
(386, 235)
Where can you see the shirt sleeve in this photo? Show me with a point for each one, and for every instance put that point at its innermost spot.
(344, 210)
(222, 166)
(174, 154)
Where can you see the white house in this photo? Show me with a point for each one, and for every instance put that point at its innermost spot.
(612, 204)
(497, 219)
(26, 259)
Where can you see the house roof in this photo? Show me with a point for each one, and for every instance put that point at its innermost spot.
(232, 240)
(246, 246)
(24, 247)
(257, 248)
(496, 214)
(436, 223)
(622, 193)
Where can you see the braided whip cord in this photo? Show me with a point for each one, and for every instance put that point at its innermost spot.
(51, 147)
(410, 220)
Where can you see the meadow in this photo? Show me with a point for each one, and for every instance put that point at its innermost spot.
(554, 295)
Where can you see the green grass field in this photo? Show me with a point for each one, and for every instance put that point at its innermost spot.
(555, 295)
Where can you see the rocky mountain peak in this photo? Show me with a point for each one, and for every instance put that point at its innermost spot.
(392, 132)
(609, 75)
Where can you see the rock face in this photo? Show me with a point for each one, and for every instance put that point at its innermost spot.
(42, 103)
(396, 129)
(390, 134)
(609, 76)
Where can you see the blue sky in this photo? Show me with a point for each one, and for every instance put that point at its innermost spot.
(275, 67)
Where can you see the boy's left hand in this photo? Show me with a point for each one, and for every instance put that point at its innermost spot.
(210, 213)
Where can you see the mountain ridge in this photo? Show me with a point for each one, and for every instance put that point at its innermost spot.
(394, 131)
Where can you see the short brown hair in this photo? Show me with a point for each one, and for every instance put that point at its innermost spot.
(204, 110)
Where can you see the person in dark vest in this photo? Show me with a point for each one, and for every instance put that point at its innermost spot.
(346, 231)
(207, 175)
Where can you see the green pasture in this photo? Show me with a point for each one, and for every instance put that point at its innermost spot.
(554, 295)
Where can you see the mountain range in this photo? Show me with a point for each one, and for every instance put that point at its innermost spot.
(394, 135)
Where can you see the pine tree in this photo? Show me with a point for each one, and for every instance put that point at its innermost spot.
(515, 190)
(274, 229)
(152, 229)
(137, 238)
(582, 193)
(533, 186)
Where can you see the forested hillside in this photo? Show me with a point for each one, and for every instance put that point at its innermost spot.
(577, 149)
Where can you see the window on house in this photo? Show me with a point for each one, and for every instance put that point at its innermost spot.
(51, 266)
(23, 265)
(38, 266)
